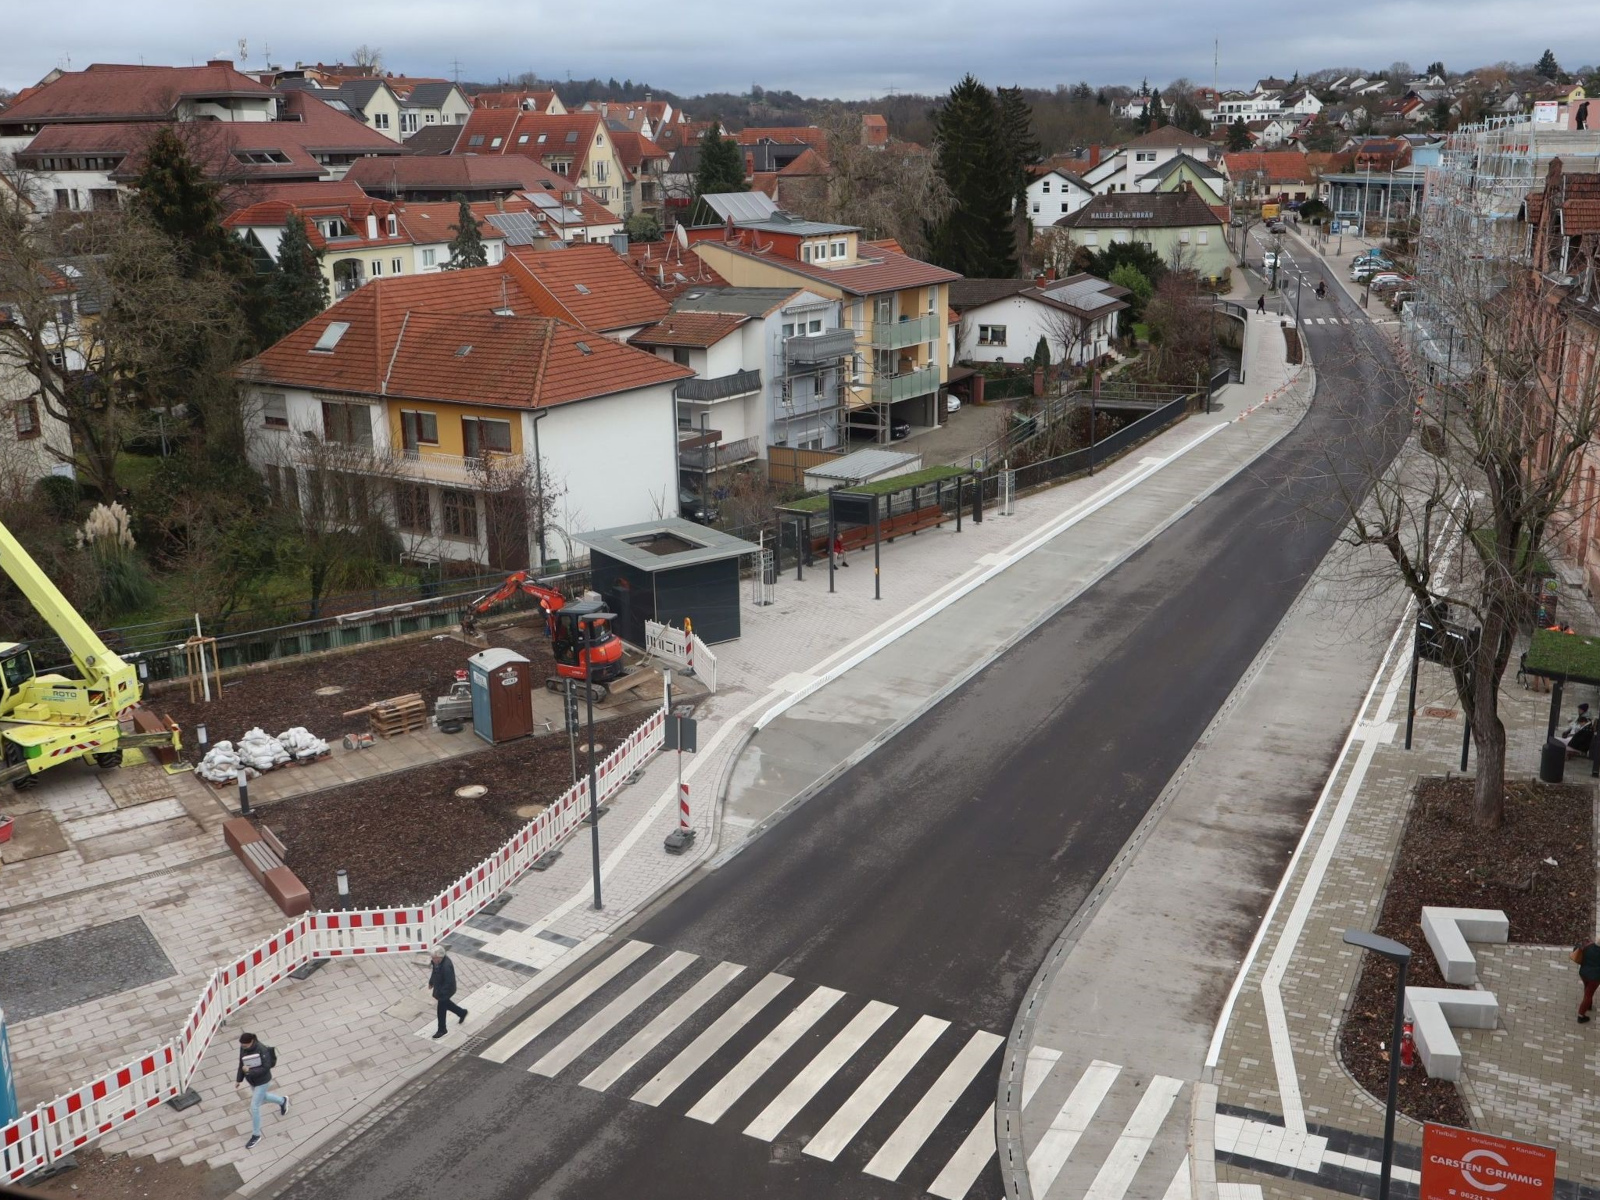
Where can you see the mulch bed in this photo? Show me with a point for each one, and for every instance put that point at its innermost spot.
(1446, 860)
(404, 837)
(277, 698)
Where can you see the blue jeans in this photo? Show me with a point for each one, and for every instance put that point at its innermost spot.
(259, 1096)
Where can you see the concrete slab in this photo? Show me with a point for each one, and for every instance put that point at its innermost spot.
(34, 835)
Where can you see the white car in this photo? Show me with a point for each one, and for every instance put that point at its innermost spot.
(1269, 260)
(952, 404)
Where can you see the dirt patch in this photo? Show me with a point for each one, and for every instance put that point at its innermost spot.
(1445, 860)
(298, 694)
(102, 1174)
(402, 838)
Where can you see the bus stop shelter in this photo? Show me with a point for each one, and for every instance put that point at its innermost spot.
(1562, 658)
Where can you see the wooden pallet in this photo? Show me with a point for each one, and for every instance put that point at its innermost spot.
(390, 720)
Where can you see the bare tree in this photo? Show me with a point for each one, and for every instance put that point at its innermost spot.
(518, 498)
(368, 56)
(1069, 332)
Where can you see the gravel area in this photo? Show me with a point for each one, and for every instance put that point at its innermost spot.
(1446, 860)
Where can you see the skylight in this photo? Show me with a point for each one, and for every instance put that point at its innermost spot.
(572, 137)
(463, 351)
(331, 335)
(582, 291)
(583, 347)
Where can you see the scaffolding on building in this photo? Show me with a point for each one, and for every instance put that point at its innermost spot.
(811, 374)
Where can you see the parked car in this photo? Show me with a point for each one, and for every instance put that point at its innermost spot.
(1274, 226)
(952, 403)
(1385, 281)
(1369, 266)
(692, 508)
(899, 430)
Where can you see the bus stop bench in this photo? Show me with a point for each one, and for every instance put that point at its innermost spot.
(860, 536)
(266, 865)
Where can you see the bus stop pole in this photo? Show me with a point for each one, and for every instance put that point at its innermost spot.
(833, 527)
(877, 575)
(1411, 705)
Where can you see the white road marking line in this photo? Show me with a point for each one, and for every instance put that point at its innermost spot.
(1179, 1189)
(968, 1162)
(716, 1102)
(1122, 1164)
(1041, 1061)
(664, 1022)
(694, 1056)
(554, 1009)
(802, 1089)
(1054, 1148)
(875, 1088)
(609, 1017)
(936, 1103)
(483, 1001)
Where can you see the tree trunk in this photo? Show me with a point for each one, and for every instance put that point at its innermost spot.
(1489, 789)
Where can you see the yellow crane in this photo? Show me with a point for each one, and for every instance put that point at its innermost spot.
(47, 720)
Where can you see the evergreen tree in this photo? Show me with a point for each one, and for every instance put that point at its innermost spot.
(466, 248)
(1322, 137)
(1157, 112)
(1021, 150)
(177, 198)
(1547, 66)
(1041, 353)
(1238, 135)
(1436, 68)
(721, 166)
(976, 236)
(296, 286)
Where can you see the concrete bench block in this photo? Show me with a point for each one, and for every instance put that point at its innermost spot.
(1448, 930)
(287, 892)
(1433, 1012)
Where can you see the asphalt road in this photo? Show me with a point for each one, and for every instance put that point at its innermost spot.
(935, 875)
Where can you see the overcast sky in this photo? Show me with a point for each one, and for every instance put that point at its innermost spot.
(839, 48)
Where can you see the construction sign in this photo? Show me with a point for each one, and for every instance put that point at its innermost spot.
(1270, 211)
(1460, 1164)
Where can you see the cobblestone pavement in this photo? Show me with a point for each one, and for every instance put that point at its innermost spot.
(74, 968)
(353, 1032)
(1289, 1116)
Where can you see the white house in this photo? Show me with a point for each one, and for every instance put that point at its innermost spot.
(33, 442)
(1002, 320)
(1054, 194)
(428, 398)
(1122, 170)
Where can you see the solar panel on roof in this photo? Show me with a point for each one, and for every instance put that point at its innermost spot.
(741, 206)
(542, 200)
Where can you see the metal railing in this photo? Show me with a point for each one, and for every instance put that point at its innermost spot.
(1078, 462)
(919, 381)
(719, 454)
(907, 331)
(820, 347)
(740, 383)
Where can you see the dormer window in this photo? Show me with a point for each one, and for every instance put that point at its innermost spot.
(391, 226)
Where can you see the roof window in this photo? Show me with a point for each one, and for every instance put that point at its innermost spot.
(463, 351)
(475, 140)
(330, 336)
(522, 139)
(572, 137)
(583, 347)
(582, 290)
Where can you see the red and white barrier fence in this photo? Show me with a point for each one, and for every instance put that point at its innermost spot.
(53, 1130)
(683, 647)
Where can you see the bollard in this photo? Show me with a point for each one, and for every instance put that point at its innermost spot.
(342, 881)
(244, 791)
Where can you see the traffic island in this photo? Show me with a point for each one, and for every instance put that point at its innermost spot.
(1538, 868)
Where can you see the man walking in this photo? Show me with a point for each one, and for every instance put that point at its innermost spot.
(1587, 957)
(442, 983)
(256, 1060)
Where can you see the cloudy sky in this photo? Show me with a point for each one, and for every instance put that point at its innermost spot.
(820, 48)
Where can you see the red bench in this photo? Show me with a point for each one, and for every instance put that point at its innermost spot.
(265, 863)
(859, 537)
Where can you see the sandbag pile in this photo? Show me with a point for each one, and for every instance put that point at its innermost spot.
(260, 751)
(220, 765)
(302, 744)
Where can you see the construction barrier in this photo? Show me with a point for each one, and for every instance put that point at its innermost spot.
(53, 1130)
(683, 648)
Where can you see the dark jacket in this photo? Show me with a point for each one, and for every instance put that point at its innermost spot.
(1589, 965)
(442, 979)
(259, 1072)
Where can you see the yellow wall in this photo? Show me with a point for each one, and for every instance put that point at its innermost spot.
(404, 251)
(449, 417)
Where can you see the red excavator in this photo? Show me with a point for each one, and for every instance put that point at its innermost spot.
(600, 662)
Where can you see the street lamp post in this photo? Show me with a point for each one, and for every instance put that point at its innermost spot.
(1299, 282)
(538, 483)
(586, 624)
(1401, 957)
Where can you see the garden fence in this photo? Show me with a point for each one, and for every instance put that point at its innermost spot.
(46, 1134)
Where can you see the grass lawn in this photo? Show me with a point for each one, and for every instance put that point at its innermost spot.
(879, 487)
(1141, 331)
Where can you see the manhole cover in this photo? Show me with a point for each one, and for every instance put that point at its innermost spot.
(1448, 714)
(333, 689)
(529, 811)
(472, 791)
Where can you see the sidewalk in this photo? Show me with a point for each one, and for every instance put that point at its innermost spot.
(354, 1031)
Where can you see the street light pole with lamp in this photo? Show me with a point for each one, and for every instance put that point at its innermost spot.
(586, 625)
(1401, 956)
(538, 485)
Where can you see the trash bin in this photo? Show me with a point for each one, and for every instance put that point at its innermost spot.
(1553, 761)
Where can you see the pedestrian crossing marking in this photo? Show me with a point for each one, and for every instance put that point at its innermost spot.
(653, 1034)
(1040, 1062)
(843, 1126)
(607, 1019)
(714, 1104)
(551, 1011)
(968, 1162)
(696, 1054)
(1070, 1122)
(1179, 1188)
(483, 1001)
(1120, 1166)
(936, 1102)
(804, 1087)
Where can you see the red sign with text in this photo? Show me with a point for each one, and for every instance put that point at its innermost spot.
(1459, 1164)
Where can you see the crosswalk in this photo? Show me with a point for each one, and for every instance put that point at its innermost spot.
(899, 1096)
(1325, 321)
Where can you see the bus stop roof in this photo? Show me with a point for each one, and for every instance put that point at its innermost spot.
(663, 545)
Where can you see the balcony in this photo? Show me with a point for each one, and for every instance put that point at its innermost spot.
(491, 472)
(717, 455)
(886, 389)
(723, 387)
(907, 331)
(820, 347)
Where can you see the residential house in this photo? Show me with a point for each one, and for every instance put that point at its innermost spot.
(1185, 171)
(1002, 320)
(1270, 84)
(425, 102)
(447, 176)
(1132, 162)
(1272, 133)
(370, 101)
(769, 149)
(644, 166)
(34, 443)
(1133, 108)
(1301, 102)
(1381, 154)
(535, 102)
(895, 304)
(592, 287)
(436, 400)
(620, 114)
(672, 268)
(796, 182)
(576, 145)
(770, 364)
(1273, 176)
(1179, 226)
(1053, 194)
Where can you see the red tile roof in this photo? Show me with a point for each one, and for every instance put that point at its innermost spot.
(879, 269)
(634, 149)
(1281, 166)
(809, 163)
(119, 92)
(519, 133)
(539, 100)
(689, 329)
(588, 285)
(299, 194)
(213, 145)
(799, 135)
(671, 269)
(464, 172)
(436, 337)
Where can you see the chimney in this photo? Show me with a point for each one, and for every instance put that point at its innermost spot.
(1094, 156)
(727, 229)
(219, 62)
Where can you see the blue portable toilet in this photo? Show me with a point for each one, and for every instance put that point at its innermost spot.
(502, 694)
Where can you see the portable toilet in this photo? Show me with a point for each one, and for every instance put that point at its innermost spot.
(502, 694)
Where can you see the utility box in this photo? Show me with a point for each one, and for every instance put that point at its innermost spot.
(502, 694)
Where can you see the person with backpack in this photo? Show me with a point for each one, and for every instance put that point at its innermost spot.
(1587, 956)
(256, 1060)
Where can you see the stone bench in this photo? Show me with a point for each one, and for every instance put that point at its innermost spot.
(263, 859)
(1433, 1012)
(1448, 930)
